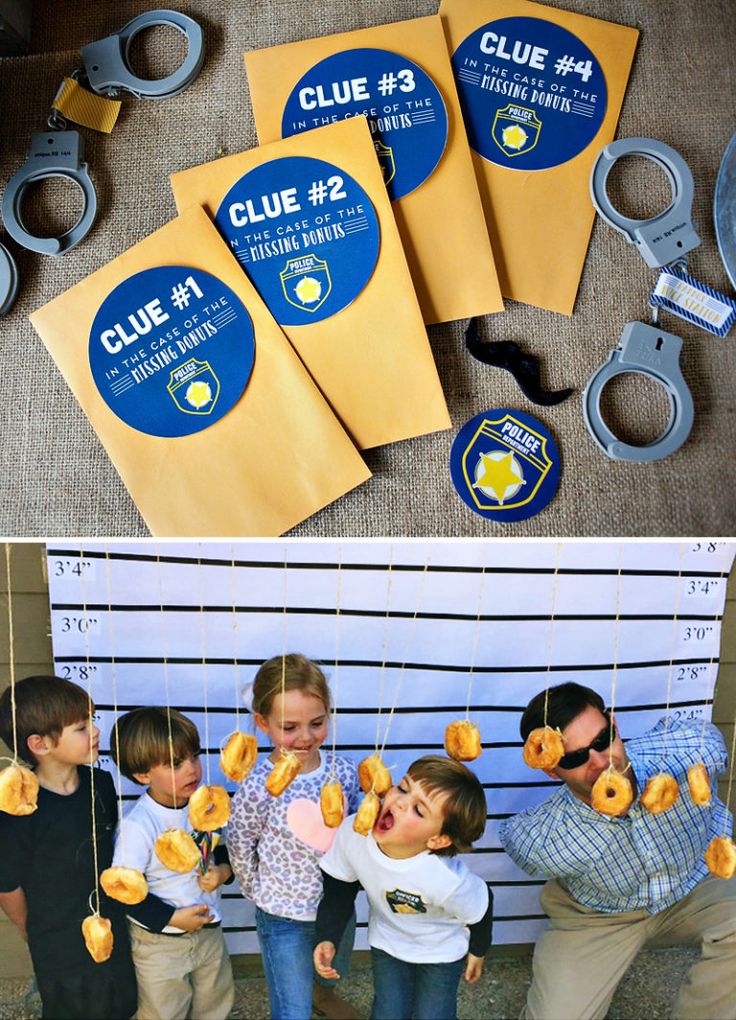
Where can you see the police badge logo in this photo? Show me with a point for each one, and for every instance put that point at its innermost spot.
(402, 902)
(505, 465)
(306, 282)
(194, 387)
(515, 129)
(386, 158)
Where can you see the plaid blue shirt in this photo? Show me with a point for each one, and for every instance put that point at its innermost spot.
(642, 861)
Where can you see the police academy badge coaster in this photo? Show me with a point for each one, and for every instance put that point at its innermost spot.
(505, 465)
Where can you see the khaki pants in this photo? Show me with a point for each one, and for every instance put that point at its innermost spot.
(184, 976)
(579, 962)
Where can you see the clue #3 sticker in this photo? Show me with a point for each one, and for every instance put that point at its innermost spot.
(505, 465)
(306, 234)
(533, 95)
(171, 350)
(404, 108)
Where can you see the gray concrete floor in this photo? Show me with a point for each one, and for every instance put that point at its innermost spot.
(648, 990)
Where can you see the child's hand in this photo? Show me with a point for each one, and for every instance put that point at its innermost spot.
(216, 874)
(324, 954)
(473, 968)
(191, 918)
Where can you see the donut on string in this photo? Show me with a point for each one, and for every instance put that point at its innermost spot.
(127, 885)
(462, 741)
(698, 782)
(373, 775)
(209, 808)
(367, 815)
(239, 756)
(18, 790)
(177, 851)
(543, 748)
(720, 856)
(331, 802)
(97, 932)
(660, 793)
(612, 793)
(283, 773)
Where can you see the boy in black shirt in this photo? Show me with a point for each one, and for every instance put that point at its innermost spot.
(47, 872)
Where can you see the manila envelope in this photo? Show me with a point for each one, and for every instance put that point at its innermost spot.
(311, 223)
(173, 336)
(439, 216)
(541, 91)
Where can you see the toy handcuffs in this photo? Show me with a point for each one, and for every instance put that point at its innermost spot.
(648, 351)
(8, 280)
(57, 153)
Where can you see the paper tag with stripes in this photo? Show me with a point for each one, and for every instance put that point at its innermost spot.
(693, 301)
(86, 108)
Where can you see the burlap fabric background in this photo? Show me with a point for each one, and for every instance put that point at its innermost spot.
(55, 476)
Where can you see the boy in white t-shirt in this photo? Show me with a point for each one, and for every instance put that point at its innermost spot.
(181, 960)
(430, 917)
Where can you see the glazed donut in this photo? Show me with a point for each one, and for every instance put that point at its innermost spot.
(367, 814)
(283, 773)
(543, 748)
(462, 741)
(699, 783)
(239, 756)
(124, 884)
(612, 793)
(721, 857)
(209, 808)
(373, 775)
(177, 851)
(97, 932)
(660, 793)
(331, 802)
(18, 790)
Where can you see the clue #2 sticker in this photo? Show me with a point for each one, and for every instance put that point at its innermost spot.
(171, 350)
(505, 465)
(306, 234)
(405, 111)
(533, 95)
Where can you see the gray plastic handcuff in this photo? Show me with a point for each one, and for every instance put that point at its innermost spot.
(645, 349)
(60, 153)
(8, 280)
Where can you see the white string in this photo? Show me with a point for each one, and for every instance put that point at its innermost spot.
(678, 598)
(165, 638)
(336, 685)
(474, 649)
(203, 649)
(85, 617)
(386, 621)
(616, 632)
(553, 610)
(234, 628)
(114, 677)
(11, 651)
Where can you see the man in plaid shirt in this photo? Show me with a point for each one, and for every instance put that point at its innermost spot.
(617, 884)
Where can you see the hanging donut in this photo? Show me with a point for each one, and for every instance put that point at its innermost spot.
(543, 748)
(97, 932)
(239, 756)
(462, 741)
(18, 790)
(721, 857)
(209, 808)
(367, 814)
(373, 775)
(660, 793)
(177, 851)
(331, 802)
(699, 783)
(283, 773)
(127, 885)
(612, 793)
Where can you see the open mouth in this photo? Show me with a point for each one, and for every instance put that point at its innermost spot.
(385, 822)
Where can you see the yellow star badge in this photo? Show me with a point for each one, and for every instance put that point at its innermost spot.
(496, 476)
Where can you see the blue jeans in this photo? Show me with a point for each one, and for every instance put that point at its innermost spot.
(414, 991)
(286, 948)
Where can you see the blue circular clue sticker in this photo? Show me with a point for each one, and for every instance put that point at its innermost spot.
(405, 111)
(533, 95)
(505, 465)
(171, 350)
(306, 234)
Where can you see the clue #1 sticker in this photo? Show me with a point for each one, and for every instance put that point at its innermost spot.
(306, 234)
(533, 95)
(171, 350)
(405, 111)
(505, 465)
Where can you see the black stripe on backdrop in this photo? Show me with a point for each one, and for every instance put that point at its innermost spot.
(82, 553)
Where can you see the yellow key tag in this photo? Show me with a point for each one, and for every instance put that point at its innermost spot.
(86, 108)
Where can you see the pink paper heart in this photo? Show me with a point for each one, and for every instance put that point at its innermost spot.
(304, 818)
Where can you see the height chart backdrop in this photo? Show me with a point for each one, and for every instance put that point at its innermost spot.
(421, 628)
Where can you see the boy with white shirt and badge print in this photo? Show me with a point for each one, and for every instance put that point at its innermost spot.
(430, 917)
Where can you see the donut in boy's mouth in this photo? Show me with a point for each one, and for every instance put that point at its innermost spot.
(385, 822)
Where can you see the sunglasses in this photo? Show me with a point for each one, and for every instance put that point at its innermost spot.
(576, 758)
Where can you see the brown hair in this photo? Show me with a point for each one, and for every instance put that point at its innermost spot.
(140, 739)
(292, 672)
(44, 705)
(564, 703)
(465, 805)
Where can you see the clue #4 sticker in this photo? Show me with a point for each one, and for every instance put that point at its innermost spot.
(405, 111)
(505, 465)
(306, 234)
(533, 95)
(171, 350)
